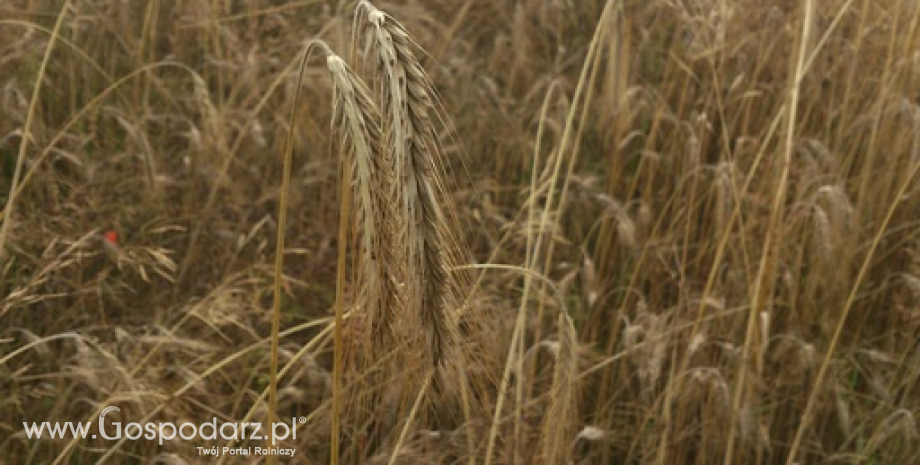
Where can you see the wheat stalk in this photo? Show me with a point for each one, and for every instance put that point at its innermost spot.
(27, 136)
(560, 416)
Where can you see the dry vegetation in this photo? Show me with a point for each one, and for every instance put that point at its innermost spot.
(626, 232)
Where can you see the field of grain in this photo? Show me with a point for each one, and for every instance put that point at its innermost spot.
(462, 232)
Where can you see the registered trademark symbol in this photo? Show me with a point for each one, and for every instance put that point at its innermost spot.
(303, 420)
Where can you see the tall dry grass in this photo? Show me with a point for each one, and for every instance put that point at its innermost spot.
(644, 232)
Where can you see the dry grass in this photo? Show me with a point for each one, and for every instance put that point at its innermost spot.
(632, 232)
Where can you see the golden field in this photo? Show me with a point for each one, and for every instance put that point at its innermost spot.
(467, 232)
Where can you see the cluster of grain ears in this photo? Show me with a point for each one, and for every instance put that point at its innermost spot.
(396, 171)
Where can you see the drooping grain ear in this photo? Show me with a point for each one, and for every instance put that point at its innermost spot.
(410, 139)
(356, 121)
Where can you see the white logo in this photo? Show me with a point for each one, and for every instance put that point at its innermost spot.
(159, 431)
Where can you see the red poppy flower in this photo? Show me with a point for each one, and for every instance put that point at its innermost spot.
(111, 237)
